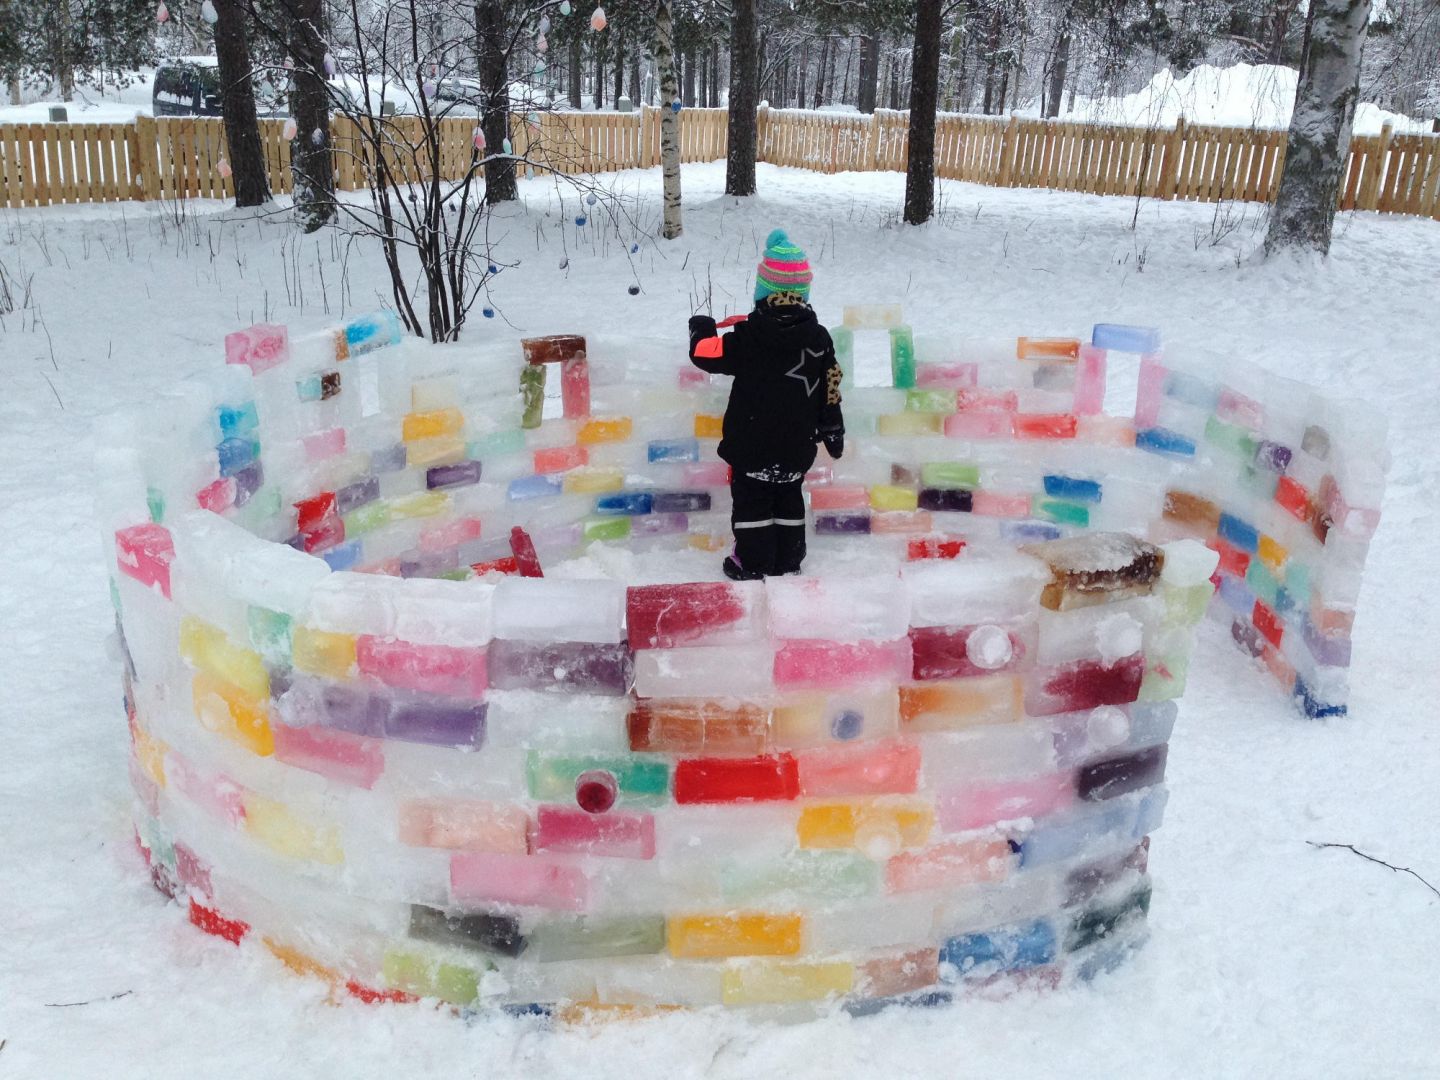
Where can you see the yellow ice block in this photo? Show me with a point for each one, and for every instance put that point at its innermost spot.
(299, 962)
(272, 824)
(890, 497)
(771, 983)
(427, 978)
(603, 430)
(322, 653)
(879, 828)
(1272, 554)
(909, 423)
(955, 704)
(706, 937)
(207, 649)
(429, 425)
(227, 710)
(592, 481)
(441, 450)
(420, 504)
(708, 427)
(149, 754)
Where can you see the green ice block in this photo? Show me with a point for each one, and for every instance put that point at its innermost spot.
(801, 876)
(496, 444)
(639, 781)
(424, 978)
(950, 474)
(1061, 512)
(930, 401)
(1231, 438)
(270, 634)
(588, 938)
(155, 500)
(902, 357)
(367, 518)
(532, 393)
(1262, 582)
(1187, 606)
(607, 528)
(844, 340)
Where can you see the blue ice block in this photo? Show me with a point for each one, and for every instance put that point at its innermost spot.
(371, 332)
(1316, 708)
(1236, 595)
(236, 454)
(1028, 532)
(1121, 338)
(1008, 948)
(1160, 440)
(1192, 390)
(1241, 533)
(1072, 487)
(237, 419)
(534, 487)
(388, 459)
(674, 450)
(343, 556)
(625, 502)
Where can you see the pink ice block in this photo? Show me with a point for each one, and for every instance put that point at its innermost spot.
(993, 504)
(979, 424)
(336, 755)
(218, 496)
(1150, 392)
(1090, 381)
(145, 552)
(544, 881)
(217, 795)
(822, 665)
(975, 808)
(616, 834)
(948, 375)
(260, 348)
(839, 497)
(450, 534)
(946, 865)
(464, 825)
(432, 669)
(575, 387)
(819, 474)
(981, 400)
(872, 768)
(706, 474)
(1235, 408)
(324, 444)
(691, 378)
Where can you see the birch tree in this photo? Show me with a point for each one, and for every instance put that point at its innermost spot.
(669, 119)
(1319, 144)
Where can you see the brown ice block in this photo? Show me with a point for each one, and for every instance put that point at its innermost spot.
(555, 349)
(1192, 510)
(1097, 568)
(687, 726)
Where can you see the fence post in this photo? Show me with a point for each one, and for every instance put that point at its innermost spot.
(1008, 142)
(1374, 172)
(1170, 163)
(872, 151)
(762, 131)
(147, 138)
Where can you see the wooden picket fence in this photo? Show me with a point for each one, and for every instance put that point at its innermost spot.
(180, 157)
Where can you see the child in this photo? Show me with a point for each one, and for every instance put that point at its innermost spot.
(785, 397)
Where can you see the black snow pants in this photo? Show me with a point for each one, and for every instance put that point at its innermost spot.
(769, 523)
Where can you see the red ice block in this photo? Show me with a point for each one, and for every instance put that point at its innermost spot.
(874, 768)
(508, 565)
(946, 865)
(575, 387)
(544, 881)
(553, 459)
(934, 547)
(260, 348)
(145, 552)
(212, 922)
(736, 780)
(1233, 561)
(667, 616)
(823, 665)
(619, 835)
(1045, 425)
(217, 496)
(945, 652)
(450, 534)
(523, 548)
(337, 755)
(1294, 499)
(979, 424)
(313, 512)
(431, 669)
(1268, 623)
(1085, 684)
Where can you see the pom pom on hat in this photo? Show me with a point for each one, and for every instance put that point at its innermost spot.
(783, 268)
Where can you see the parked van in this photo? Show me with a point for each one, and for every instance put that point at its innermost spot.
(187, 86)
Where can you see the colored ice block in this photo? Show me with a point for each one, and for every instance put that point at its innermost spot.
(819, 665)
(705, 937)
(259, 348)
(698, 613)
(434, 669)
(977, 807)
(866, 768)
(947, 865)
(464, 825)
(145, 553)
(1097, 568)
(483, 931)
(560, 667)
(615, 835)
(698, 727)
(732, 780)
(553, 882)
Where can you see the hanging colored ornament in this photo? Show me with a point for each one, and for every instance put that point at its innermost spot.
(565, 8)
(479, 138)
(427, 88)
(543, 27)
(541, 43)
(539, 67)
(675, 105)
(580, 219)
(598, 20)
(489, 313)
(291, 129)
(329, 64)
(634, 290)
(162, 14)
(208, 13)
(505, 147)
(223, 168)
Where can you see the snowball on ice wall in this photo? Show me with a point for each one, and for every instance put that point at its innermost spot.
(361, 739)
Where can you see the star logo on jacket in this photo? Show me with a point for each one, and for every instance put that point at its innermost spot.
(798, 371)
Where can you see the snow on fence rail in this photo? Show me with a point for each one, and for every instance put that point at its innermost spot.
(172, 158)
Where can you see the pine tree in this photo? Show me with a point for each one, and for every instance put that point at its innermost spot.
(924, 99)
(495, 112)
(237, 103)
(310, 161)
(744, 94)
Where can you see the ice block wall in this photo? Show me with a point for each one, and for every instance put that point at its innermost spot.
(1285, 485)
(364, 740)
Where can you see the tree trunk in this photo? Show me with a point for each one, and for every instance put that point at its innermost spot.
(673, 226)
(495, 97)
(310, 162)
(575, 75)
(715, 76)
(237, 104)
(744, 92)
(992, 50)
(821, 68)
(619, 70)
(802, 75)
(924, 94)
(1319, 144)
(845, 85)
(635, 75)
(689, 77)
(895, 79)
(13, 82)
(598, 95)
(1058, 71)
(869, 73)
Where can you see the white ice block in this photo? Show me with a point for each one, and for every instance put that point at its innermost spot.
(576, 722)
(706, 671)
(975, 588)
(351, 603)
(871, 607)
(1110, 632)
(1024, 896)
(982, 754)
(1187, 563)
(554, 609)
(435, 611)
(895, 920)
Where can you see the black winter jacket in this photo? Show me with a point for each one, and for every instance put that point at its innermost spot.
(786, 393)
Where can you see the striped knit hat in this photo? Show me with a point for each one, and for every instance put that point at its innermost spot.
(783, 268)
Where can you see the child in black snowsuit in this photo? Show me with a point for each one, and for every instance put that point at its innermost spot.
(785, 398)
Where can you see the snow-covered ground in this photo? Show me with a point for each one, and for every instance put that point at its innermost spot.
(1241, 95)
(1267, 958)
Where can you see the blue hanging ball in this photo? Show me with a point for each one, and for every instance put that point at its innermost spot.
(634, 290)
(634, 248)
(675, 105)
(591, 199)
(579, 219)
(494, 269)
(489, 313)
(564, 264)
